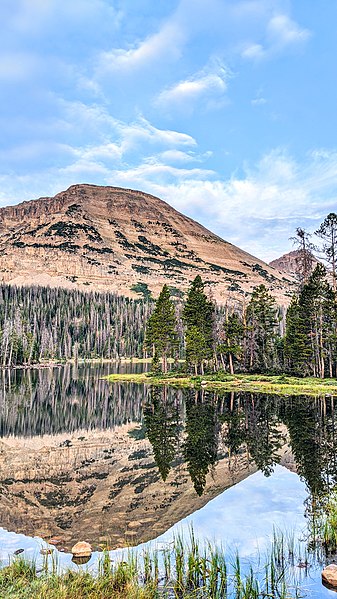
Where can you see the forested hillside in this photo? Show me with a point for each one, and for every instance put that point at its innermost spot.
(40, 323)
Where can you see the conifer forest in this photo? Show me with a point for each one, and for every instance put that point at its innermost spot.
(38, 324)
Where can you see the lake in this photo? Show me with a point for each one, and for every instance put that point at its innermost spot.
(123, 465)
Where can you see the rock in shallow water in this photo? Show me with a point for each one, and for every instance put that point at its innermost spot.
(80, 561)
(329, 576)
(82, 549)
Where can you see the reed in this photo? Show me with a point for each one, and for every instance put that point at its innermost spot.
(184, 570)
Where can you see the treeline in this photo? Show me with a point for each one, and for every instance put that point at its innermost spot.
(239, 337)
(252, 338)
(40, 323)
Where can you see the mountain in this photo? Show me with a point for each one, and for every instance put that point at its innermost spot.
(109, 238)
(289, 263)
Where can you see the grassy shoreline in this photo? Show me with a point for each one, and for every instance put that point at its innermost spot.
(278, 385)
(183, 569)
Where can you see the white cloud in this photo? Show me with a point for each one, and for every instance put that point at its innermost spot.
(178, 156)
(109, 152)
(142, 131)
(166, 44)
(95, 119)
(170, 156)
(158, 174)
(253, 51)
(281, 32)
(258, 101)
(206, 83)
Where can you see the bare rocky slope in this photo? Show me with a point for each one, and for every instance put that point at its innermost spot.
(289, 263)
(108, 238)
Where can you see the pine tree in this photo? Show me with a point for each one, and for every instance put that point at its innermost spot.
(234, 330)
(196, 348)
(162, 328)
(310, 339)
(261, 331)
(297, 349)
(328, 233)
(198, 318)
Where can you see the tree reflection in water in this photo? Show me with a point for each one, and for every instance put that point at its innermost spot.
(197, 427)
(200, 427)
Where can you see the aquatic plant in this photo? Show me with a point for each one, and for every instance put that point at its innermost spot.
(181, 570)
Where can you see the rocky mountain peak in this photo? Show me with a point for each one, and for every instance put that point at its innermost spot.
(122, 240)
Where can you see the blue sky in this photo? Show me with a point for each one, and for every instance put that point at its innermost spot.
(224, 108)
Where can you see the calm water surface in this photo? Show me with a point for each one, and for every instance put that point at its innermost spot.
(123, 464)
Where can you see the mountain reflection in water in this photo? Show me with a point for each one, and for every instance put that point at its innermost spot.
(120, 464)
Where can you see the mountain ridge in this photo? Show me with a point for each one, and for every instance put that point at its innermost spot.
(289, 263)
(123, 240)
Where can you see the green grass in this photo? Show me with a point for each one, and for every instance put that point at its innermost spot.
(183, 570)
(324, 529)
(22, 580)
(279, 385)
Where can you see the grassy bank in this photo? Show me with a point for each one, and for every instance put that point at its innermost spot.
(181, 571)
(279, 385)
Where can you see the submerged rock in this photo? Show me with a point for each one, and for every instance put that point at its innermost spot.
(80, 561)
(81, 549)
(329, 576)
(55, 541)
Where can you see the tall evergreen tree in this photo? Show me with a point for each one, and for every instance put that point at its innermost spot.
(297, 347)
(162, 328)
(198, 318)
(328, 233)
(232, 346)
(310, 339)
(261, 331)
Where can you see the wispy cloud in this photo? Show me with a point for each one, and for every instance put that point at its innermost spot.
(281, 32)
(142, 130)
(166, 44)
(210, 82)
(259, 101)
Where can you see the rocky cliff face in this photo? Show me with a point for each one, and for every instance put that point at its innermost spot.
(108, 238)
(289, 263)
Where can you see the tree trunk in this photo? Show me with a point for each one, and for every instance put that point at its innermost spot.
(231, 367)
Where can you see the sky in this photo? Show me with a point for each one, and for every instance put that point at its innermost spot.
(227, 109)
